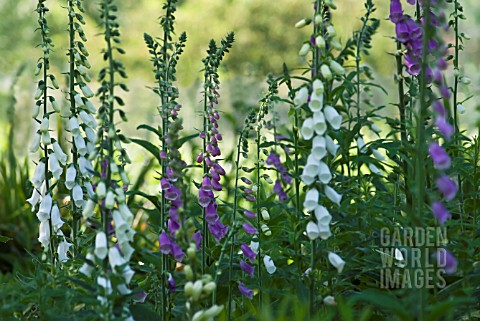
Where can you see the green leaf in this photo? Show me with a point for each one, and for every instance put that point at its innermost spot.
(4, 239)
(154, 150)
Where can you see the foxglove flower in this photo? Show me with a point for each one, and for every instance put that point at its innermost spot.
(447, 187)
(44, 234)
(440, 212)
(101, 249)
(249, 269)
(333, 195)
(269, 264)
(447, 261)
(248, 252)
(336, 261)
(440, 158)
(245, 291)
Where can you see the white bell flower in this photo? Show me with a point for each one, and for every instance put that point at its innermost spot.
(319, 148)
(101, 249)
(61, 156)
(45, 208)
(329, 300)
(74, 127)
(319, 124)
(120, 224)
(55, 167)
(35, 145)
(62, 250)
(336, 261)
(44, 234)
(86, 269)
(311, 199)
(324, 230)
(88, 209)
(307, 129)
(316, 102)
(318, 87)
(337, 68)
(88, 119)
(39, 175)
(269, 264)
(77, 194)
(333, 195)
(308, 180)
(80, 145)
(333, 117)
(326, 72)
(324, 174)
(85, 167)
(313, 232)
(110, 200)
(331, 146)
(90, 135)
(57, 222)
(33, 200)
(301, 97)
(377, 155)
(70, 177)
(322, 215)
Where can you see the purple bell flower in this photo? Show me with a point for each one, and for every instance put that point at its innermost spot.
(249, 229)
(249, 269)
(447, 261)
(440, 158)
(396, 12)
(245, 291)
(249, 214)
(211, 215)
(218, 230)
(248, 252)
(447, 187)
(165, 243)
(444, 127)
(177, 252)
(440, 212)
(197, 237)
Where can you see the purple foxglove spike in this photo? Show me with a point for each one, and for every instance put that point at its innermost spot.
(204, 197)
(445, 91)
(250, 270)
(171, 284)
(215, 114)
(218, 230)
(447, 187)
(197, 237)
(199, 158)
(163, 155)
(442, 64)
(172, 193)
(396, 12)
(173, 226)
(165, 243)
(446, 261)
(428, 75)
(414, 29)
(242, 288)
(249, 198)
(177, 252)
(218, 137)
(208, 161)
(211, 215)
(277, 188)
(214, 174)
(202, 135)
(216, 185)
(249, 229)
(444, 127)
(440, 158)
(286, 178)
(165, 184)
(439, 108)
(206, 184)
(213, 140)
(210, 148)
(219, 169)
(248, 252)
(402, 32)
(413, 66)
(440, 212)
(249, 214)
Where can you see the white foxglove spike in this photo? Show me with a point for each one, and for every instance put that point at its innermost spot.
(56, 219)
(62, 250)
(312, 231)
(311, 199)
(331, 146)
(333, 195)
(70, 177)
(307, 129)
(316, 103)
(61, 156)
(319, 149)
(77, 194)
(319, 124)
(318, 87)
(80, 145)
(332, 116)
(301, 97)
(45, 208)
(55, 167)
(269, 264)
(322, 215)
(44, 234)
(35, 143)
(324, 230)
(39, 175)
(324, 174)
(101, 249)
(74, 127)
(336, 261)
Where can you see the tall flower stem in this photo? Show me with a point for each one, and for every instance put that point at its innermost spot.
(257, 200)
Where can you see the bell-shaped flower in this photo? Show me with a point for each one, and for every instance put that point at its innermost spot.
(460, 109)
(319, 147)
(86, 269)
(101, 249)
(88, 209)
(44, 125)
(115, 258)
(319, 124)
(377, 155)
(446, 261)
(361, 145)
(311, 199)
(61, 156)
(307, 179)
(311, 168)
(322, 215)
(33, 200)
(269, 264)
(265, 214)
(307, 129)
(313, 232)
(326, 73)
(324, 174)
(126, 249)
(45, 207)
(126, 213)
(110, 200)
(62, 250)
(165, 243)
(266, 230)
(249, 229)
(35, 143)
(46, 140)
(89, 188)
(90, 135)
(77, 194)
(320, 42)
(44, 234)
(87, 92)
(337, 68)
(447, 187)
(304, 50)
(74, 127)
(39, 175)
(333, 117)
(55, 167)
(70, 177)
(316, 102)
(440, 212)
(80, 145)
(440, 158)
(329, 300)
(245, 291)
(324, 231)
(85, 167)
(331, 146)
(247, 268)
(56, 219)
(317, 87)
(374, 169)
(336, 261)
(88, 119)
(120, 224)
(332, 195)
(255, 246)
(248, 252)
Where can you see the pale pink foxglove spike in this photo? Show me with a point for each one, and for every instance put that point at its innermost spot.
(311, 199)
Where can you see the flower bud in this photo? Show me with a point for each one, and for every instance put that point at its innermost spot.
(331, 31)
(460, 109)
(35, 143)
(269, 264)
(266, 230)
(326, 73)
(320, 42)
(197, 290)
(109, 200)
(188, 273)
(304, 50)
(87, 92)
(265, 214)
(337, 68)
(302, 23)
